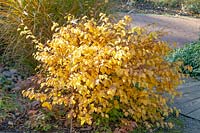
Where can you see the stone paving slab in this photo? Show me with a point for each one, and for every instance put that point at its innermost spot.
(195, 114)
(189, 103)
(189, 107)
(191, 89)
(189, 83)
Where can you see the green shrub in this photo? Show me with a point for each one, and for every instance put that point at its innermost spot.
(190, 55)
(38, 16)
(168, 3)
(192, 6)
(99, 70)
(189, 6)
(8, 104)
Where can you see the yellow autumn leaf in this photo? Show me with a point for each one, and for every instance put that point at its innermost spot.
(144, 101)
(47, 105)
(190, 68)
(82, 121)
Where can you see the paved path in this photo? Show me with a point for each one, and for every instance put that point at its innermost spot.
(189, 103)
(180, 29)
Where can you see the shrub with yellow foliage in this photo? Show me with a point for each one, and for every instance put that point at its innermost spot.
(94, 67)
(38, 16)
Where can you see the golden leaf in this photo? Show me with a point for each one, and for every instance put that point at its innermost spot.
(47, 105)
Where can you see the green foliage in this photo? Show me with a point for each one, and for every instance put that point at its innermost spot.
(103, 124)
(192, 6)
(186, 6)
(4, 83)
(38, 16)
(8, 104)
(190, 55)
(39, 122)
(168, 3)
(177, 128)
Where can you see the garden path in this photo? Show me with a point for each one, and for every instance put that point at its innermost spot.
(180, 29)
(189, 103)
